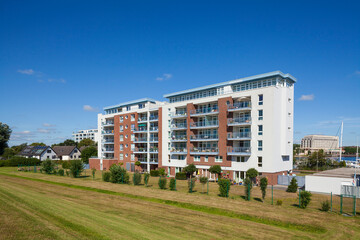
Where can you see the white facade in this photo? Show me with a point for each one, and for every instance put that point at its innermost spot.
(317, 142)
(92, 134)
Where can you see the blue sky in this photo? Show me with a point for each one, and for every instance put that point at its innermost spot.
(61, 62)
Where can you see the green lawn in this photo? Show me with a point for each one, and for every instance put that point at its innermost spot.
(39, 206)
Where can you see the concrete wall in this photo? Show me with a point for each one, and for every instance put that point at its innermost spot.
(325, 184)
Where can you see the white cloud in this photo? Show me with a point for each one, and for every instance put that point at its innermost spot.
(165, 76)
(61, 80)
(23, 132)
(307, 97)
(26, 71)
(48, 125)
(42, 130)
(89, 108)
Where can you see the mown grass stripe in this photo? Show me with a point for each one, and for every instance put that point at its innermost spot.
(191, 206)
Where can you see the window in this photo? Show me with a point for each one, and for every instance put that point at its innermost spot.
(141, 105)
(197, 159)
(261, 115)
(285, 158)
(126, 136)
(126, 145)
(126, 155)
(260, 132)
(132, 147)
(240, 159)
(121, 156)
(132, 117)
(132, 157)
(218, 159)
(121, 128)
(48, 151)
(132, 137)
(126, 126)
(121, 119)
(128, 108)
(260, 145)
(132, 126)
(259, 161)
(206, 158)
(126, 117)
(121, 137)
(261, 98)
(121, 147)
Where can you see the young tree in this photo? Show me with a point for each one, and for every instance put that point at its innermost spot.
(190, 169)
(203, 181)
(263, 186)
(224, 187)
(76, 168)
(293, 186)
(305, 198)
(86, 142)
(48, 166)
(248, 187)
(5, 133)
(252, 173)
(87, 153)
(216, 169)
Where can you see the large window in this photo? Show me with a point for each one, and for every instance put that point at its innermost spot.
(261, 116)
(121, 156)
(121, 147)
(197, 159)
(259, 161)
(261, 99)
(218, 159)
(121, 137)
(260, 132)
(260, 145)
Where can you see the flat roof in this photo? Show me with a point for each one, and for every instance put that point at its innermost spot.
(338, 172)
(240, 80)
(124, 104)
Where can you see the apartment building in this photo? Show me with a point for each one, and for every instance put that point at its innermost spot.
(92, 134)
(239, 124)
(317, 142)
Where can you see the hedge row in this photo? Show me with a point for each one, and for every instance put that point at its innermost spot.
(17, 160)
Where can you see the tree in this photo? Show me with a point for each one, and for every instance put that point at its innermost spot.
(263, 186)
(216, 169)
(317, 159)
(293, 186)
(190, 169)
(252, 173)
(87, 153)
(5, 133)
(305, 198)
(76, 168)
(19, 148)
(8, 153)
(67, 142)
(248, 187)
(86, 142)
(48, 166)
(38, 144)
(224, 187)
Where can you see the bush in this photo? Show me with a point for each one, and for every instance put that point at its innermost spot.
(172, 184)
(180, 176)
(293, 186)
(67, 173)
(252, 173)
(305, 198)
(119, 174)
(65, 164)
(162, 183)
(137, 178)
(15, 161)
(325, 206)
(93, 172)
(224, 187)
(191, 184)
(162, 172)
(203, 180)
(61, 172)
(190, 169)
(263, 186)
(146, 178)
(248, 187)
(76, 168)
(154, 173)
(48, 166)
(279, 202)
(106, 176)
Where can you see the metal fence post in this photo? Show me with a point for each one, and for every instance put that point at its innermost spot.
(248, 191)
(175, 185)
(354, 207)
(207, 187)
(331, 202)
(299, 197)
(341, 203)
(272, 194)
(227, 192)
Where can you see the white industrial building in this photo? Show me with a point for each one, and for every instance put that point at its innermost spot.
(92, 134)
(317, 142)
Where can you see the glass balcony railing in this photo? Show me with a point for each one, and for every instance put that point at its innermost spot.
(153, 118)
(154, 128)
(239, 106)
(140, 149)
(110, 123)
(142, 119)
(141, 139)
(204, 137)
(142, 160)
(108, 141)
(204, 124)
(178, 114)
(238, 150)
(108, 149)
(205, 150)
(140, 129)
(178, 150)
(154, 149)
(179, 126)
(154, 139)
(108, 132)
(240, 120)
(199, 111)
(239, 135)
(179, 138)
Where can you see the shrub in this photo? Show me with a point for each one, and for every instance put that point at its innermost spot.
(55, 172)
(252, 173)
(190, 169)
(248, 187)
(325, 206)
(224, 187)
(172, 184)
(67, 173)
(119, 174)
(65, 164)
(203, 180)
(76, 168)
(93, 172)
(18, 160)
(137, 178)
(48, 166)
(61, 172)
(305, 198)
(191, 184)
(146, 178)
(180, 176)
(279, 202)
(106, 176)
(162, 183)
(154, 173)
(161, 171)
(216, 169)
(293, 186)
(263, 186)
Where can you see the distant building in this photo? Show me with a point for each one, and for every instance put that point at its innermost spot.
(93, 134)
(39, 152)
(67, 152)
(317, 142)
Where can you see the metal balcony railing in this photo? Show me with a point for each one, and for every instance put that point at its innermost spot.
(108, 132)
(213, 109)
(108, 149)
(205, 124)
(204, 149)
(142, 119)
(178, 114)
(140, 149)
(178, 150)
(179, 125)
(204, 137)
(153, 118)
(140, 129)
(238, 105)
(179, 137)
(238, 150)
(141, 139)
(154, 139)
(154, 128)
(239, 135)
(242, 120)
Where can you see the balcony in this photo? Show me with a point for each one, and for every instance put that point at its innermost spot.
(239, 136)
(140, 139)
(142, 119)
(107, 124)
(153, 118)
(178, 114)
(239, 106)
(239, 151)
(108, 142)
(154, 129)
(108, 150)
(239, 121)
(178, 126)
(154, 150)
(204, 124)
(178, 151)
(204, 111)
(108, 132)
(152, 160)
(204, 151)
(204, 137)
(140, 150)
(140, 130)
(178, 138)
(154, 139)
